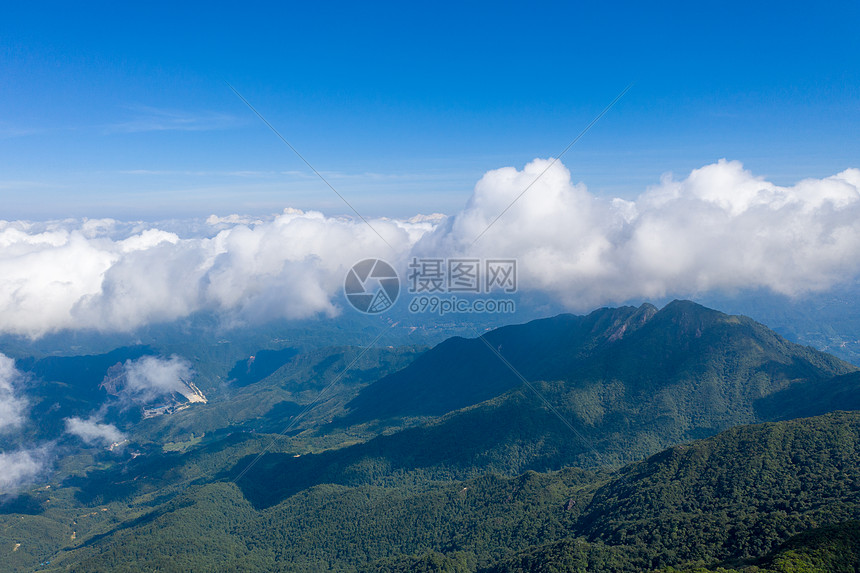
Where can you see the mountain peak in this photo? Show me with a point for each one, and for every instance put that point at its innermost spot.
(691, 319)
(633, 322)
(688, 308)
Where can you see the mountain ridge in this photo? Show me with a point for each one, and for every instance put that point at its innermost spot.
(570, 348)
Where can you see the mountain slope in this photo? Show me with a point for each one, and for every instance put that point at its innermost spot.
(65, 386)
(326, 495)
(829, 549)
(737, 496)
(812, 398)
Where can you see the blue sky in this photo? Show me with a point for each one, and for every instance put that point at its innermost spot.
(122, 111)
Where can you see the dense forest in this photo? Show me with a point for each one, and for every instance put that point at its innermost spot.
(760, 495)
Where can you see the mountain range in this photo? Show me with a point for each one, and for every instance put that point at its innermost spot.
(628, 439)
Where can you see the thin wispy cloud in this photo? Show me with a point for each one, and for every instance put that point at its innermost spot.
(10, 131)
(19, 184)
(369, 177)
(198, 173)
(375, 176)
(150, 377)
(21, 466)
(148, 118)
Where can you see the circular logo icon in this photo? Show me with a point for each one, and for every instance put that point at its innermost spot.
(371, 286)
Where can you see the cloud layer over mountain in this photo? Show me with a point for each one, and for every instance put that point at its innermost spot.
(17, 466)
(20, 467)
(149, 377)
(719, 228)
(77, 275)
(94, 432)
(12, 407)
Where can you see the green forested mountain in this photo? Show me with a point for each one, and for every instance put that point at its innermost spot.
(738, 494)
(635, 381)
(811, 398)
(733, 499)
(828, 549)
(713, 359)
(397, 459)
(461, 372)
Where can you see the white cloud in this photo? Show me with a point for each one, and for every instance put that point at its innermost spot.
(147, 378)
(234, 219)
(12, 408)
(21, 467)
(70, 275)
(93, 432)
(718, 228)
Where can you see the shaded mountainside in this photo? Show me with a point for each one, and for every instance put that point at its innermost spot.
(738, 498)
(262, 364)
(508, 436)
(812, 398)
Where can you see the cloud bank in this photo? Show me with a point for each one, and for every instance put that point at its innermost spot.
(69, 275)
(720, 228)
